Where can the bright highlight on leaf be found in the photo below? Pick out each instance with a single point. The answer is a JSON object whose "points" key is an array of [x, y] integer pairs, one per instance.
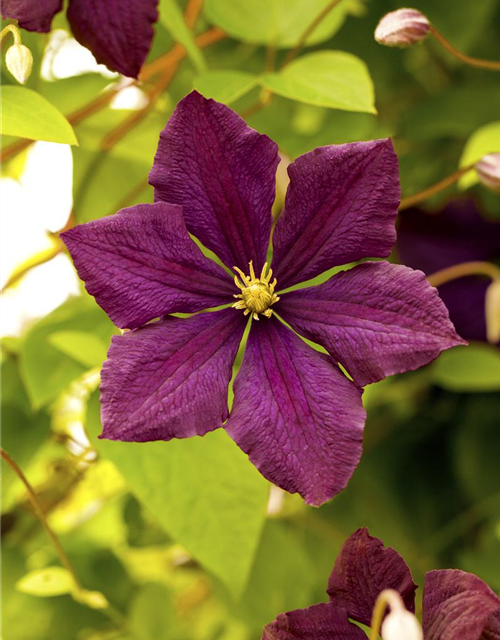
{"points": [[27, 114], [46, 583], [333, 79]]}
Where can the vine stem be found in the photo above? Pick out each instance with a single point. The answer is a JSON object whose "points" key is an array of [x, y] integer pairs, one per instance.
{"points": [[464, 269], [492, 65], [309, 31], [408, 202], [266, 95], [37, 508], [11, 28]]}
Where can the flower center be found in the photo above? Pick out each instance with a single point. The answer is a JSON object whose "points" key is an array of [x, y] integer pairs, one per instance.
{"points": [[257, 294]]}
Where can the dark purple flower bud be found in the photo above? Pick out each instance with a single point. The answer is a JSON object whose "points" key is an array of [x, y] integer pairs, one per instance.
{"points": [[488, 171], [402, 28]]}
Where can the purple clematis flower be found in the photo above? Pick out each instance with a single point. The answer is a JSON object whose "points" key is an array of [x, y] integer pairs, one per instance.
{"points": [[296, 415], [457, 234], [456, 605], [119, 33]]}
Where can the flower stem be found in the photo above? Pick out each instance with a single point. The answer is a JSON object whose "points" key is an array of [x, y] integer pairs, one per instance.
{"points": [[464, 269], [388, 597], [11, 28], [492, 65], [309, 31], [37, 508], [408, 202]]}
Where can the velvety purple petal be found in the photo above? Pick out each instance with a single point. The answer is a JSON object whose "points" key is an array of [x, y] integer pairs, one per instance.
{"points": [[33, 15], [459, 233], [364, 568], [319, 622], [169, 379], [376, 319], [295, 414], [459, 605], [141, 264], [118, 32], [341, 206], [222, 172], [492, 629]]}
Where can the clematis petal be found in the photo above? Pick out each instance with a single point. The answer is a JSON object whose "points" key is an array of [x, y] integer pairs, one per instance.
{"points": [[376, 319], [459, 605], [32, 15], [341, 206], [118, 32], [299, 419], [141, 264], [319, 622], [457, 234], [364, 568], [169, 379], [222, 172]]}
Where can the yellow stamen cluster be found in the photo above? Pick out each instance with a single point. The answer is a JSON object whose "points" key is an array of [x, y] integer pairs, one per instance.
{"points": [[257, 294]]}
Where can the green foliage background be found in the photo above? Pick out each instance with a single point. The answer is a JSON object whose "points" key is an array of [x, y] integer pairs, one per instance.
{"points": [[180, 537]]}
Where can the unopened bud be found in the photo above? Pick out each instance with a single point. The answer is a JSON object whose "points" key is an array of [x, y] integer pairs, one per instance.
{"points": [[492, 312], [401, 624], [19, 62], [402, 28], [488, 171]]}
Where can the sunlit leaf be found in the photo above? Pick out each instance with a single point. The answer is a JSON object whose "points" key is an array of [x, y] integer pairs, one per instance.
{"points": [[277, 22], [225, 86], [48, 582], [27, 114], [472, 368], [332, 79], [203, 491], [86, 348]]}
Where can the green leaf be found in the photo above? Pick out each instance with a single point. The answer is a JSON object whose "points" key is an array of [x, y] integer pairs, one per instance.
{"points": [[483, 141], [46, 583], [333, 79], [46, 371], [85, 348], [152, 615], [203, 492], [277, 22], [171, 17], [27, 114], [472, 368], [225, 86]]}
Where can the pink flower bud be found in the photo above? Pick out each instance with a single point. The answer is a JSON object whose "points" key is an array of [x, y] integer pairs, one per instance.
{"points": [[488, 171], [402, 28]]}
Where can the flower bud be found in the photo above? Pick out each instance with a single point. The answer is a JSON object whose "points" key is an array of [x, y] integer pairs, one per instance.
{"points": [[19, 62], [492, 312], [402, 28], [488, 171], [400, 624]]}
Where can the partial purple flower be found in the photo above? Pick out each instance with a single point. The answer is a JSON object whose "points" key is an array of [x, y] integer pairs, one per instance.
{"points": [[295, 413], [456, 604], [119, 33], [457, 234], [402, 28]]}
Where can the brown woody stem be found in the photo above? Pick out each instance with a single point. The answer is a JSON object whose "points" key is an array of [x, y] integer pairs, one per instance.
{"points": [[492, 65], [408, 202]]}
